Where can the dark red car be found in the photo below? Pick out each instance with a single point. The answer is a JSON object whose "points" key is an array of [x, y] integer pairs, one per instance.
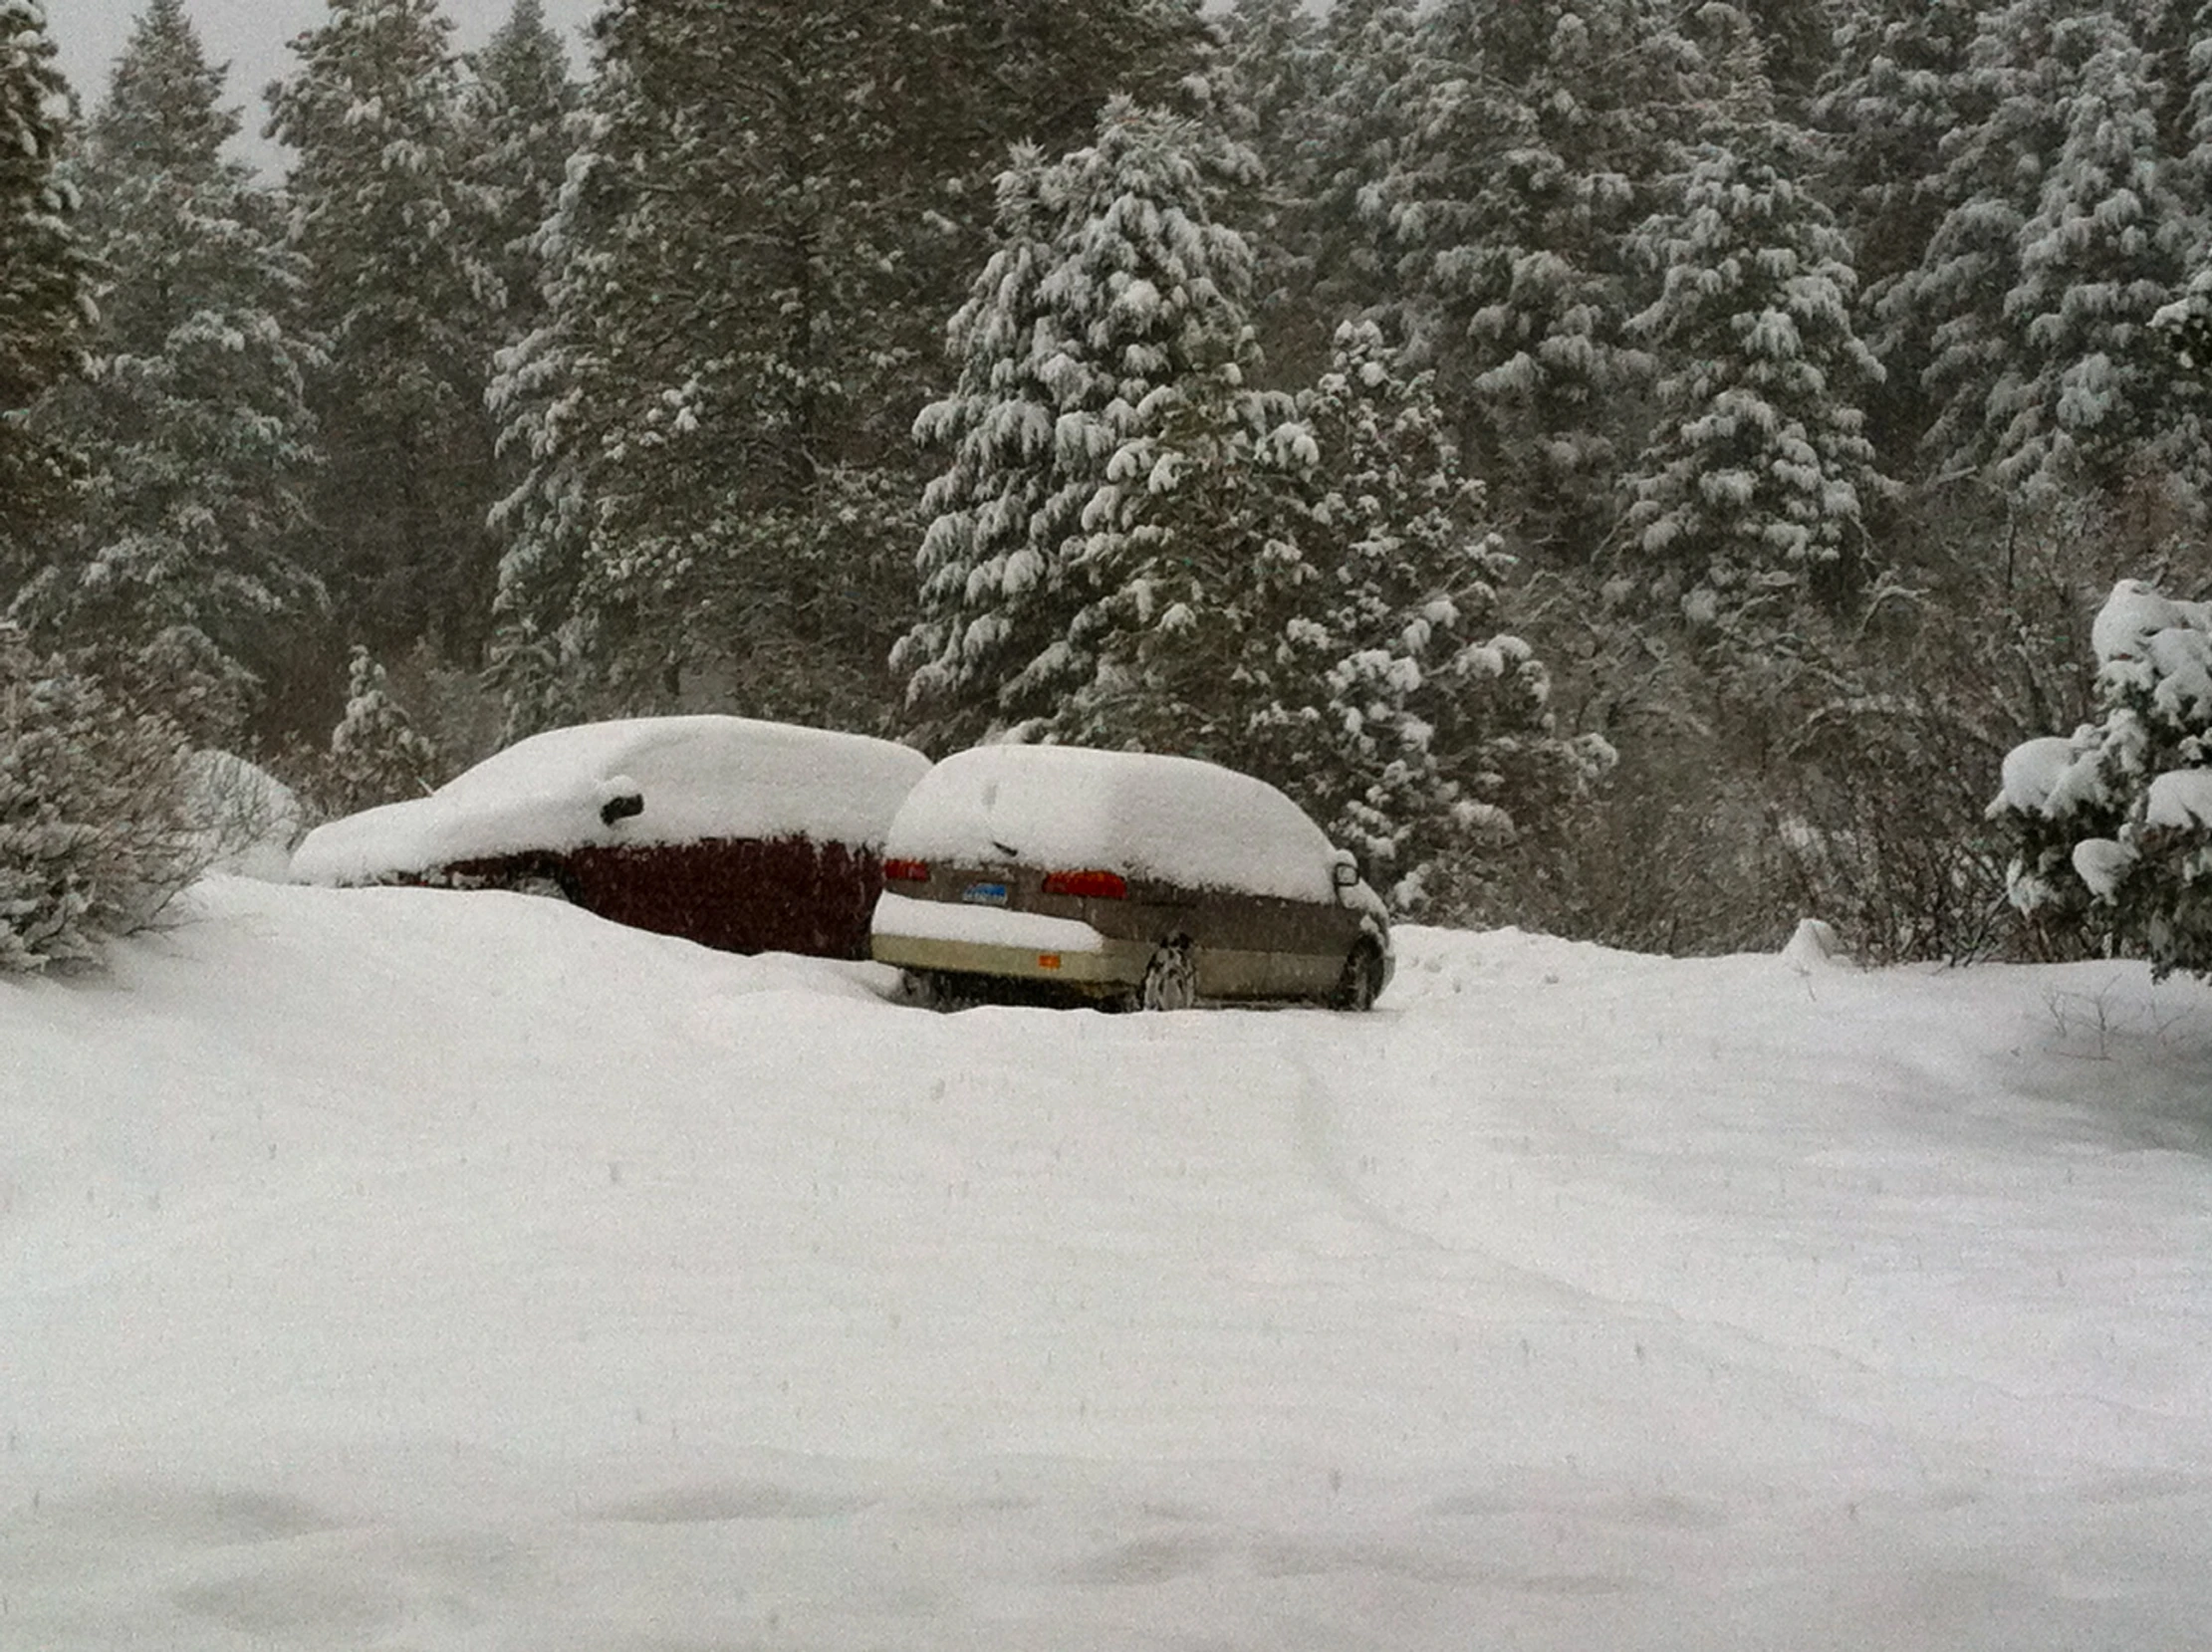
{"points": [[746, 836]]}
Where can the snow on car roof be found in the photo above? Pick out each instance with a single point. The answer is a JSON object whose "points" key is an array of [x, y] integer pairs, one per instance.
{"points": [[1176, 818], [700, 777]]}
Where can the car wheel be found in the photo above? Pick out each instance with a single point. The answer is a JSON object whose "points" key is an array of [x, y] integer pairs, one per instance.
{"points": [[1171, 979], [542, 885], [1362, 982], [934, 990]]}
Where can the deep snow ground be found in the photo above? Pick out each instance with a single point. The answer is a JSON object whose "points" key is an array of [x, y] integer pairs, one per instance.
{"points": [[403, 1269]]}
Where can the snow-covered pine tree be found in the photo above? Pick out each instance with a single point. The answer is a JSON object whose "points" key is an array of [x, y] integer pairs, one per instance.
{"points": [[1750, 494], [2063, 235], [45, 289], [377, 754], [1898, 86], [2113, 825], [1269, 88], [752, 258], [181, 572], [378, 207], [1797, 42], [92, 837], [1386, 704], [2103, 251], [515, 143], [1091, 546], [1539, 150], [1363, 129]]}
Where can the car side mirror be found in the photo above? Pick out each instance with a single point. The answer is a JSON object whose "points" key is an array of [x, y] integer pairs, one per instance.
{"points": [[1346, 872], [623, 805]]}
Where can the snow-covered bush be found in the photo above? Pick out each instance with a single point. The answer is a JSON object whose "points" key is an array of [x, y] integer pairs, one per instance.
{"points": [[93, 842], [377, 754], [2114, 822], [246, 819]]}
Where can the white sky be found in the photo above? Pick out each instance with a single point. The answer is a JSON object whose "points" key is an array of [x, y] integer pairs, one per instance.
{"points": [[251, 36]]}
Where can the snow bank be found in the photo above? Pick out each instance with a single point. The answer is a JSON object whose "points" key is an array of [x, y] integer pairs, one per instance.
{"points": [[1175, 818], [391, 1271], [700, 777]]}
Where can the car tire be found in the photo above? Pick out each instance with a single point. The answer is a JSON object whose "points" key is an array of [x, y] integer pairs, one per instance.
{"points": [[1362, 982], [934, 990], [1171, 979]]}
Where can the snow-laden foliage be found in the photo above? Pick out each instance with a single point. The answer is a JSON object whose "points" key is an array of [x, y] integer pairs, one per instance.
{"points": [[2065, 231], [92, 839], [1894, 93], [1091, 540], [45, 280], [379, 212], [377, 754], [2100, 255], [772, 209], [515, 145], [2114, 822], [1759, 471], [1387, 705], [1273, 66], [1360, 127], [1544, 132], [180, 568]]}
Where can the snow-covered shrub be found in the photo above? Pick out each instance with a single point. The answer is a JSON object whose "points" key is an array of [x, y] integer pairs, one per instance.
{"points": [[2114, 823], [245, 818], [377, 754], [92, 837]]}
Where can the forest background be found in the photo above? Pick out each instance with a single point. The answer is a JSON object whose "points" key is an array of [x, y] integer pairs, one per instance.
{"points": [[1632, 468]]}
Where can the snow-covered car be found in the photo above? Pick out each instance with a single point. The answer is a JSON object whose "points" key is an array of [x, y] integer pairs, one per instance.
{"points": [[746, 836], [1122, 878]]}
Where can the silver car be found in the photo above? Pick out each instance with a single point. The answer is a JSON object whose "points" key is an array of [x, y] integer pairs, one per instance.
{"points": [[1122, 878]]}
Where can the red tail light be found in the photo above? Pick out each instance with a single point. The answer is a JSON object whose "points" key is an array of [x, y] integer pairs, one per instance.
{"points": [[906, 872], [1092, 886]]}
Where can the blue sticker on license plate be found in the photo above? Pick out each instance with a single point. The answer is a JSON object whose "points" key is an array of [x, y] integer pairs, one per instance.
{"points": [[984, 895]]}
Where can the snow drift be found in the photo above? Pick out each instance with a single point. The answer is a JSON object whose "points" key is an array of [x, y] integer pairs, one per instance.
{"points": [[403, 1269]]}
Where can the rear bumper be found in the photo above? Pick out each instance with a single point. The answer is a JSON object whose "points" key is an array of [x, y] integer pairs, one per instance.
{"points": [[1018, 946]]}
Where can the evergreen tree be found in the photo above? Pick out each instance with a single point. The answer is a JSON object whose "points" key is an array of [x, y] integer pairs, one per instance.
{"points": [[2112, 824], [515, 140], [377, 754], [1795, 41], [773, 204], [91, 833], [181, 570], [1089, 545], [1897, 90], [1759, 471], [1272, 71], [45, 282], [1546, 138], [1386, 706], [1363, 129], [378, 213], [2103, 249], [2063, 236]]}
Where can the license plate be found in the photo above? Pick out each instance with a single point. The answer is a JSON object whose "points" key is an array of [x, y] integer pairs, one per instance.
{"points": [[984, 895]]}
